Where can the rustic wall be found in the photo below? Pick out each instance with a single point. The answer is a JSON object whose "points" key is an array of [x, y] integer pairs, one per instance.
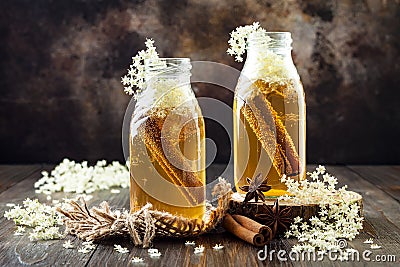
{"points": [[61, 63]]}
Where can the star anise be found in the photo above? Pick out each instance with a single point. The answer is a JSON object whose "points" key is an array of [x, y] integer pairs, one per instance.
{"points": [[276, 218], [255, 188]]}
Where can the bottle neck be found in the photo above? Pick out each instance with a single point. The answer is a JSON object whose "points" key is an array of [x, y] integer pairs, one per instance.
{"points": [[269, 55], [167, 82], [255, 51], [163, 82], [279, 43], [168, 71]]}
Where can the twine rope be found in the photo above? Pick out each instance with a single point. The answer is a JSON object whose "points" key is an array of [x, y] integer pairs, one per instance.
{"points": [[143, 225]]}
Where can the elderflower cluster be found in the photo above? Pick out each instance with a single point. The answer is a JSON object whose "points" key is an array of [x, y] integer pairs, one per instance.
{"points": [[87, 247], [154, 253], [321, 189], [199, 249], [136, 71], [238, 39], [73, 177], [218, 246], [137, 260], [337, 218], [43, 219], [68, 244], [120, 249]]}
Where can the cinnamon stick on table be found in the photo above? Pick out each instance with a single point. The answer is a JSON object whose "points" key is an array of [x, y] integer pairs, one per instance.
{"points": [[231, 225], [254, 226]]}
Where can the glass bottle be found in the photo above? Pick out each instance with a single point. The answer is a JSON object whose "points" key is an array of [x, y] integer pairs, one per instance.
{"points": [[167, 142], [269, 114]]}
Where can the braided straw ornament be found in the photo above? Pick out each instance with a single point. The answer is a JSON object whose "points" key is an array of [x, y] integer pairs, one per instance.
{"points": [[145, 224]]}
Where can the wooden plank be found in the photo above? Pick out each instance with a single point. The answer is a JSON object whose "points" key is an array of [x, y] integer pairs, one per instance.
{"points": [[386, 178], [381, 213], [176, 253], [12, 174], [289, 243], [19, 251], [238, 253]]}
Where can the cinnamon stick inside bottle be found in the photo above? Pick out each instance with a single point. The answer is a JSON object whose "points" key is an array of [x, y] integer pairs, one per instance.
{"points": [[270, 131], [283, 137], [158, 147], [261, 122]]}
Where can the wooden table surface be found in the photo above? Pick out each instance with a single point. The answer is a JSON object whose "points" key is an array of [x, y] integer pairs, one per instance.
{"points": [[379, 185]]}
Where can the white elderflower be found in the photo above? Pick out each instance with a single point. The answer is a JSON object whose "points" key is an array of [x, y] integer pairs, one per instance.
{"points": [[41, 218], [84, 197], [297, 220], [135, 78], [297, 248], [80, 178], [267, 62], [68, 245], [368, 241], [199, 249], [115, 191], [88, 245], [218, 246], [152, 250], [288, 234], [238, 40], [314, 175], [84, 250], [120, 249], [338, 217], [137, 260], [154, 253], [320, 169], [375, 246], [190, 243], [20, 230], [41, 233]]}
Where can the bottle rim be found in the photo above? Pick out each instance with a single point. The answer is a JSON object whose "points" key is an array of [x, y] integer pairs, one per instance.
{"points": [[273, 40], [168, 66], [167, 60]]}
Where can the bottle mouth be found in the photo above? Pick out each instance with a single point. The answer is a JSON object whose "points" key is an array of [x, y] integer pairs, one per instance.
{"points": [[278, 40], [168, 66]]}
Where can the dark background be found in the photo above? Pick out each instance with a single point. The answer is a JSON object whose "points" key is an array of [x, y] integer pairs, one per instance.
{"points": [[61, 63]]}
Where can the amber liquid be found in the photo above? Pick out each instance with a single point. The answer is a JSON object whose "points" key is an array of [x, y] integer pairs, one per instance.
{"points": [[167, 159], [269, 134]]}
